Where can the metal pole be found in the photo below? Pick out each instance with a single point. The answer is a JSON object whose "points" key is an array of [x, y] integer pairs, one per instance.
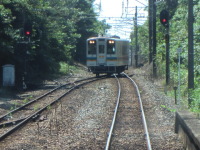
{"points": [[154, 40], [167, 57], [136, 39], [150, 30], [131, 55], [175, 88], [190, 51]]}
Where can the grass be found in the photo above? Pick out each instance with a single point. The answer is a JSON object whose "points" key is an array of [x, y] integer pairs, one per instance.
{"points": [[66, 68]]}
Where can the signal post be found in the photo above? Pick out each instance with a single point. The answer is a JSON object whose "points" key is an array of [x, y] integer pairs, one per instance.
{"points": [[27, 32], [164, 19]]}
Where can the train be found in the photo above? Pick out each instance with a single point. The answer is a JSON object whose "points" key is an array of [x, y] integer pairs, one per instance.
{"points": [[107, 55]]}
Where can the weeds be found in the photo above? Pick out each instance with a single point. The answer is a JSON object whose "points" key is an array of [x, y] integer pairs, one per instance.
{"points": [[169, 109], [36, 107]]}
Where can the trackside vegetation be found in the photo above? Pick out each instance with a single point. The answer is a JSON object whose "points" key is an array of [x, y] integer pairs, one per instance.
{"points": [[58, 32], [178, 31]]}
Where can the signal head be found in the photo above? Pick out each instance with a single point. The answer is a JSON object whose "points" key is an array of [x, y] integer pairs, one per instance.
{"points": [[27, 29], [164, 18]]}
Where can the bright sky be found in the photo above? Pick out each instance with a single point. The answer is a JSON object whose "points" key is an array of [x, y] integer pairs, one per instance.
{"points": [[119, 14]]}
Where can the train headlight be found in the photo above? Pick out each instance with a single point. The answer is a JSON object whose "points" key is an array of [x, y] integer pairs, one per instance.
{"points": [[92, 42], [111, 42]]}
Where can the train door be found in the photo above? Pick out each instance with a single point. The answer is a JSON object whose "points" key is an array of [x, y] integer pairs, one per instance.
{"points": [[101, 53]]}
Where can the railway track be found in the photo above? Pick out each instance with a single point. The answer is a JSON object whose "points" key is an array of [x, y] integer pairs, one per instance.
{"points": [[83, 122], [15, 119], [128, 129]]}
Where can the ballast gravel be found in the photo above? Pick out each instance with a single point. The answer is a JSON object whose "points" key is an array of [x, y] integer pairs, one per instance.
{"points": [[80, 120]]}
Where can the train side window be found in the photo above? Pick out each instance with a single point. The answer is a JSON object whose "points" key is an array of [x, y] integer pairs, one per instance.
{"points": [[124, 48], [92, 47], [101, 49], [111, 48]]}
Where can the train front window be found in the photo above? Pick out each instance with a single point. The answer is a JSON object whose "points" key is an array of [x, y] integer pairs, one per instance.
{"points": [[101, 49], [92, 47], [111, 47]]}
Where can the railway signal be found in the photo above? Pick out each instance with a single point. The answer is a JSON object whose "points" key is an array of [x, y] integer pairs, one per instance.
{"points": [[164, 18], [27, 29]]}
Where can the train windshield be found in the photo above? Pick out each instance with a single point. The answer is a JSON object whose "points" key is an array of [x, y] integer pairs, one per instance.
{"points": [[111, 47], [92, 47]]}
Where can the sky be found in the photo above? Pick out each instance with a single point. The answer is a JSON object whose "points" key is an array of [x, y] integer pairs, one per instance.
{"points": [[119, 14]]}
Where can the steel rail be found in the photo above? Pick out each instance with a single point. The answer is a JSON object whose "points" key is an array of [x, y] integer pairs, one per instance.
{"points": [[114, 117], [142, 111], [29, 103], [2, 117], [34, 115]]}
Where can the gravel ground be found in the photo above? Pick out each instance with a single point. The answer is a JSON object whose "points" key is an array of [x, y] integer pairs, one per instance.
{"points": [[80, 124], [80, 121], [161, 123]]}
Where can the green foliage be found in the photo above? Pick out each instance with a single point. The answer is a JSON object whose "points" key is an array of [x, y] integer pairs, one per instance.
{"points": [[88, 26], [26, 100], [178, 10], [59, 32], [49, 107], [66, 68], [167, 108], [36, 107], [196, 100]]}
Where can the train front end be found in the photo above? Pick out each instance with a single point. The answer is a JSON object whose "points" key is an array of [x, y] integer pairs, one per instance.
{"points": [[104, 55]]}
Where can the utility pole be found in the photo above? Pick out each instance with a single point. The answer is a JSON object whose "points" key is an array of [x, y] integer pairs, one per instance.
{"points": [[135, 35], [150, 29], [190, 51], [154, 40], [136, 39], [167, 57]]}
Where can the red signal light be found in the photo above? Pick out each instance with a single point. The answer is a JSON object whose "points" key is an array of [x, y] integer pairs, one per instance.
{"points": [[27, 28], [27, 32], [164, 20]]}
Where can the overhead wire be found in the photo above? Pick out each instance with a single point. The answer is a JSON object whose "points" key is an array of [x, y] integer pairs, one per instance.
{"points": [[126, 20]]}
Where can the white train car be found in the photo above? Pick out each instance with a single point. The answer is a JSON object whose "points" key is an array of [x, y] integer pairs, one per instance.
{"points": [[107, 55]]}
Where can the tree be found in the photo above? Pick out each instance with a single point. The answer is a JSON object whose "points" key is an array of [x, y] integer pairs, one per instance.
{"points": [[87, 26]]}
